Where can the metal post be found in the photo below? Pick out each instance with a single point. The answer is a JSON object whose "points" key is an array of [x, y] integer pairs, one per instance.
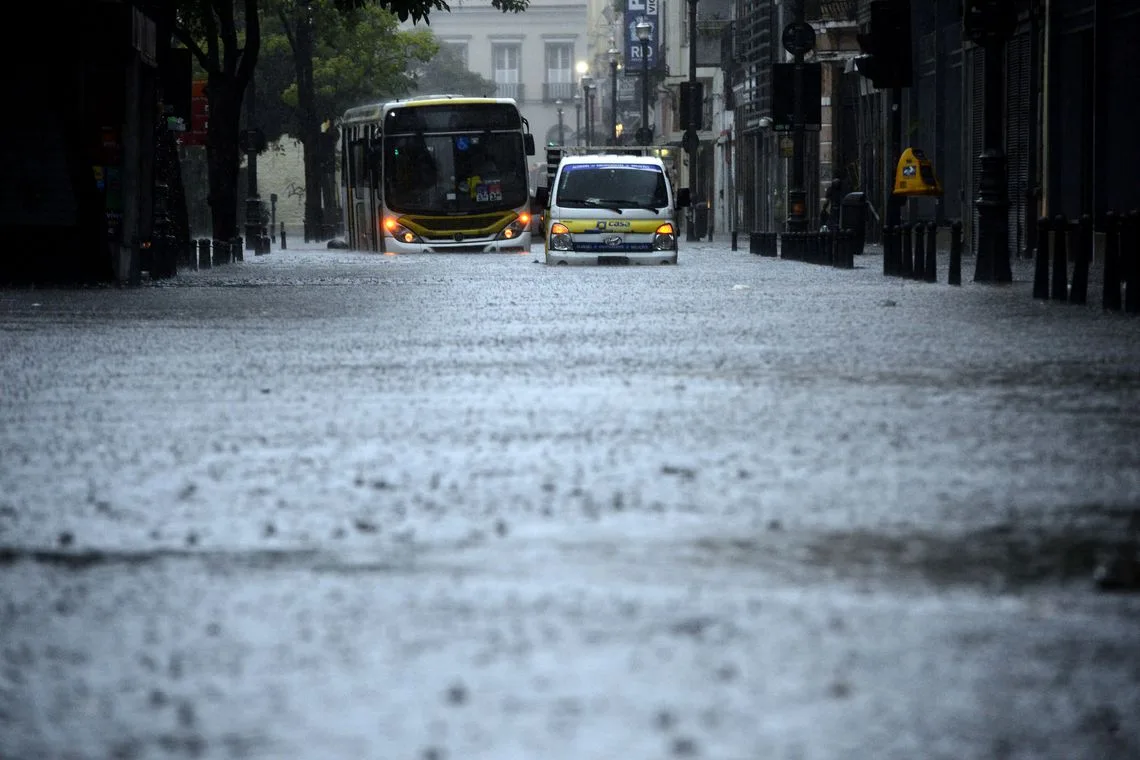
{"points": [[613, 138], [992, 28], [561, 132], [797, 195], [690, 140], [586, 104], [577, 120], [252, 201], [644, 29]]}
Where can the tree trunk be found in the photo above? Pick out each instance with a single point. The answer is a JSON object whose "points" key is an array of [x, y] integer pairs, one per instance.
{"points": [[310, 127], [222, 154]]}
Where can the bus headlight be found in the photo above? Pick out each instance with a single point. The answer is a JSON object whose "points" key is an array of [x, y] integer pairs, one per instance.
{"points": [[399, 232], [665, 238], [515, 228], [560, 237]]}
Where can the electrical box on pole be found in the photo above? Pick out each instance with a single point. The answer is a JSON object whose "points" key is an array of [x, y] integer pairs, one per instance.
{"points": [[686, 105]]}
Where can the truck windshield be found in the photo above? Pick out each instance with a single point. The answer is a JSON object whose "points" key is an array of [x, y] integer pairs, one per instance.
{"points": [[455, 173], [625, 185]]}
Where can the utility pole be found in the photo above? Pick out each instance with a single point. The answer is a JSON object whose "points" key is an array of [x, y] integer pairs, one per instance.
{"points": [[690, 141], [797, 195]]}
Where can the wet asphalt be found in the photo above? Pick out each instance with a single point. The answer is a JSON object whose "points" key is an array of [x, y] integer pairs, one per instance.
{"points": [[323, 504]]}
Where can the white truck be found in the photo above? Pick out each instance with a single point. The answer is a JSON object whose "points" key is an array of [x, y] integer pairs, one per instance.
{"points": [[609, 205]]}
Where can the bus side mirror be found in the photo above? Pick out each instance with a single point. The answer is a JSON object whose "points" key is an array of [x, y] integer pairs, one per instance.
{"points": [[541, 196], [528, 141], [683, 198]]}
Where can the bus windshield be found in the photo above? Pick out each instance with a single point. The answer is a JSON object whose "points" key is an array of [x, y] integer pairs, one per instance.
{"points": [[454, 173]]}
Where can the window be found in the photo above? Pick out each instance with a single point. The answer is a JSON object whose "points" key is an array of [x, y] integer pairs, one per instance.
{"points": [[505, 65], [559, 72], [459, 51]]}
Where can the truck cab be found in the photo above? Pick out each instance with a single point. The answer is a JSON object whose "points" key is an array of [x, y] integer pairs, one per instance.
{"points": [[610, 207]]}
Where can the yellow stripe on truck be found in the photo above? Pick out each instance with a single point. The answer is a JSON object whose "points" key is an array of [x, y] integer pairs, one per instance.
{"points": [[585, 226]]}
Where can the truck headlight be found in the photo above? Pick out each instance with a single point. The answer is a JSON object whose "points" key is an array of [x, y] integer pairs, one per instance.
{"points": [[665, 238], [560, 237]]}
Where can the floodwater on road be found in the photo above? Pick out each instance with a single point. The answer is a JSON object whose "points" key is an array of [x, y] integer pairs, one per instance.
{"points": [[323, 504]]}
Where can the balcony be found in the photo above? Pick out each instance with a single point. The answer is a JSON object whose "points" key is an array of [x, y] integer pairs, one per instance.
{"points": [[839, 11], [509, 90], [564, 91]]}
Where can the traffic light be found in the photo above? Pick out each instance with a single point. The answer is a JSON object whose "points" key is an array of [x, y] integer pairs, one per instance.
{"points": [[886, 45]]}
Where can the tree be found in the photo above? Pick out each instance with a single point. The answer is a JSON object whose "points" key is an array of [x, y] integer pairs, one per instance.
{"points": [[338, 59], [446, 72], [420, 10], [209, 28]]}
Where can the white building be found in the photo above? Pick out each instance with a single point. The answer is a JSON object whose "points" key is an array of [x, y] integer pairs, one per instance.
{"points": [[532, 56]]}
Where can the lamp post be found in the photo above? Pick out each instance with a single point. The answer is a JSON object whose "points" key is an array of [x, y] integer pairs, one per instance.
{"points": [[582, 68], [577, 119], [797, 194], [614, 55], [561, 134], [644, 29], [990, 24], [587, 85], [690, 141]]}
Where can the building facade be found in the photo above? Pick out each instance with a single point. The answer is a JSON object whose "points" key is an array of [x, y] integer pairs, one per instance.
{"points": [[531, 56]]}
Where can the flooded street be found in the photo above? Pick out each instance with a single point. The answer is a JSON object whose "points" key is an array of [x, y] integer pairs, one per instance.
{"points": [[322, 504]]}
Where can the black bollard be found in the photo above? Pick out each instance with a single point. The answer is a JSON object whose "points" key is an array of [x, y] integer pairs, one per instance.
{"points": [[1130, 263], [955, 275], [283, 246], [1078, 291], [734, 240], [931, 267], [237, 252], [754, 243], [906, 262], [919, 266], [889, 240], [205, 257], [1111, 294], [1041, 268], [1060, 279]]}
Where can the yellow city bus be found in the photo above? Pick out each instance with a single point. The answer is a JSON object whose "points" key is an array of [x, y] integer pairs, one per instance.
{"points": [[436, 174]]}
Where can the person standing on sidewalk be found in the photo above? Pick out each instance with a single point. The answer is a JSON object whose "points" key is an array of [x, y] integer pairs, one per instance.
{"points": [[829, 209]]}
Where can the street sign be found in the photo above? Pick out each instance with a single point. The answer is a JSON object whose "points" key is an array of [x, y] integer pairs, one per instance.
{"points": [[798, 38]]}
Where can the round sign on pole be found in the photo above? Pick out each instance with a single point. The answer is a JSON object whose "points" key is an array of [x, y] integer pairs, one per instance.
{"points": [[798, 39]]}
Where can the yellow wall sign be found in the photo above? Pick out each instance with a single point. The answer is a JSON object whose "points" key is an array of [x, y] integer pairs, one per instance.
{"points": [[915, 175]]}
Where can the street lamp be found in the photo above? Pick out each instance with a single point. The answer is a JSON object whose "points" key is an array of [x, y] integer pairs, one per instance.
{"points": [[561, 134], [644, 29], [587, 85], [577, 119], [691, 141], [614, 55], [581, 67]]}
